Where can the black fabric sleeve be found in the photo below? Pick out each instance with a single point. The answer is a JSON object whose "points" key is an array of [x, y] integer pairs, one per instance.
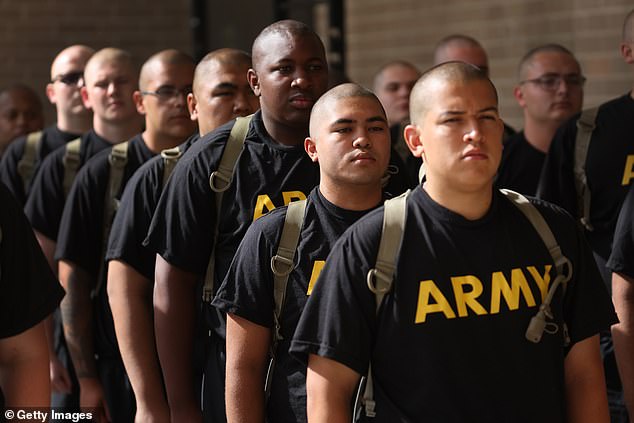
{"points": [[623, 247]]}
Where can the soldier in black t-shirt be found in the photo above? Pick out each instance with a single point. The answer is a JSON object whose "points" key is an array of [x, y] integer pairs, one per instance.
{"points": [[165, 81], [73, 119], [550, 91], [220, 93], [289, 74], [29, 292], [447, 342], [350, 140], [609, 170], [622, 266]]}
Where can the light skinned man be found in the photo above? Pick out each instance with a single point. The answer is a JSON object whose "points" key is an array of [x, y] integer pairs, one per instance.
{"points": [[164, 82], [550, 91], [289, 74], [220, 93], [349, 139], [462, 243]]}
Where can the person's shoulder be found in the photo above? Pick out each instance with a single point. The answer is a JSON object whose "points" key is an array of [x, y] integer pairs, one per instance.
{"points": [[271, 222], [556, 216]]}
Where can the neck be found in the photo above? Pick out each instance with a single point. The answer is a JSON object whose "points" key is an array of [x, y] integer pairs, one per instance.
{"points": [[119, 132], [285, 134], [540, 134], [157, 142], [357, 197], [470, 204], [74, 124]]}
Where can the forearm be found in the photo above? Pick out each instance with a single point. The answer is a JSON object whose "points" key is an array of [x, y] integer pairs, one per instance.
{"points": [[48, 248], [623, 334], [77, 317], [24, 369], [130, 296], [586, 398], [175, 305]]}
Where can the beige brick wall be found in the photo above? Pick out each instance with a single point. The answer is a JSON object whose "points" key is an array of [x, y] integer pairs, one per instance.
{"points": [[382, 30], [33, 31]]}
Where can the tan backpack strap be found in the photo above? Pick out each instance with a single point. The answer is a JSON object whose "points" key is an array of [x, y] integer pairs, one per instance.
{"points": [[219, 181], [585, 126], [170, 156], [26, 165], [118, 159], [538, 324], [282, 264], [380, 278], [71, 161]]}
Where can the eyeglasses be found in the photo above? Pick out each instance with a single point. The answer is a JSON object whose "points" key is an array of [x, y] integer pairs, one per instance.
{"points": [[550, 82], [168, 92], [70, 78]]}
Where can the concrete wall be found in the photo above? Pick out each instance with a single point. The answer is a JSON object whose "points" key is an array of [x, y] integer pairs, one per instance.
{"points": [[380, 30]]}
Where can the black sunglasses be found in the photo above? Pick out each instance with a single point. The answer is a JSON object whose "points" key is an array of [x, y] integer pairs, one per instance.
{"points": [[70, 78]]}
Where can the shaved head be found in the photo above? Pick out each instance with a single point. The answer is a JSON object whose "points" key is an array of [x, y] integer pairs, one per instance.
{"points": [[450, 72], [340, 92], [527, 60], [76, 53], [628, 28], [220, 59], [288, 29], [461, 48], [108, 55], [157, 61]]}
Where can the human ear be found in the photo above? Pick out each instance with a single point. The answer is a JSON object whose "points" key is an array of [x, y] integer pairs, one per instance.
{"points": [[412, 138], [254, 81], [311, 149]]}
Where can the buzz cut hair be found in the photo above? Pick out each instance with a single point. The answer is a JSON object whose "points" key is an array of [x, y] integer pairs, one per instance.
{"points": [[628, 27], [444, 72], [394, 63], [224, 57], [340, 92], [527, 59]]}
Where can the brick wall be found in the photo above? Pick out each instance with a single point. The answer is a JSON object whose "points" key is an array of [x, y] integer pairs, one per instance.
{"points": [[32, 32], [381, 30]]}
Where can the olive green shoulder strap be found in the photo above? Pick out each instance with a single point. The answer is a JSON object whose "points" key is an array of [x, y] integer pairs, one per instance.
{"points": [[26, 165], [219, 181], [71, 161], [170, 156], [585, 127]]}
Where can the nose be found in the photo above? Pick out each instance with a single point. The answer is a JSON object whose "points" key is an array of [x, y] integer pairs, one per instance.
{"points": [[361, 140], [241, 105], [300, 79], [80, 82], [474, 135]]}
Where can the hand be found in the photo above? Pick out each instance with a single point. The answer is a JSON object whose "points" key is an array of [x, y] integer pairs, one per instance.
{"points": [[91, 396], [60, 379]]}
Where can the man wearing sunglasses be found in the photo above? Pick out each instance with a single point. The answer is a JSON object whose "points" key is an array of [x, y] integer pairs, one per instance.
{"points": [[73, 119], [550, 91]]}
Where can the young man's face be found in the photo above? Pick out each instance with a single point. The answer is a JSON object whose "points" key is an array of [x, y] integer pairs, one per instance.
{"points": [[19, 115], [393, 88], [224, 94], [461, 134], [108, 91], [351, 142], [552, 88], [291, 74], [66, 82], [164, 102]]}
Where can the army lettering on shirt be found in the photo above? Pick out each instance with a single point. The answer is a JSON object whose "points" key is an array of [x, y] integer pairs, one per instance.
{"points": [[454, 323], [182, 229], [247, 290]]}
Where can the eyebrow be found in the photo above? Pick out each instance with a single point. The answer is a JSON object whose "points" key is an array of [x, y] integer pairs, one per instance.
{"points": [[343, 121], [461, 112], [225, 86]]}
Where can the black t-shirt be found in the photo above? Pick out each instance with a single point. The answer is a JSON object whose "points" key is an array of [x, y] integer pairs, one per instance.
{"points": [[448, 343], [46, 201], [622, 257], [267, 175], [137, 206], [247, 290], [81, 227], [609, 169], [521, 165], [30, 290], [52, 138]]}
